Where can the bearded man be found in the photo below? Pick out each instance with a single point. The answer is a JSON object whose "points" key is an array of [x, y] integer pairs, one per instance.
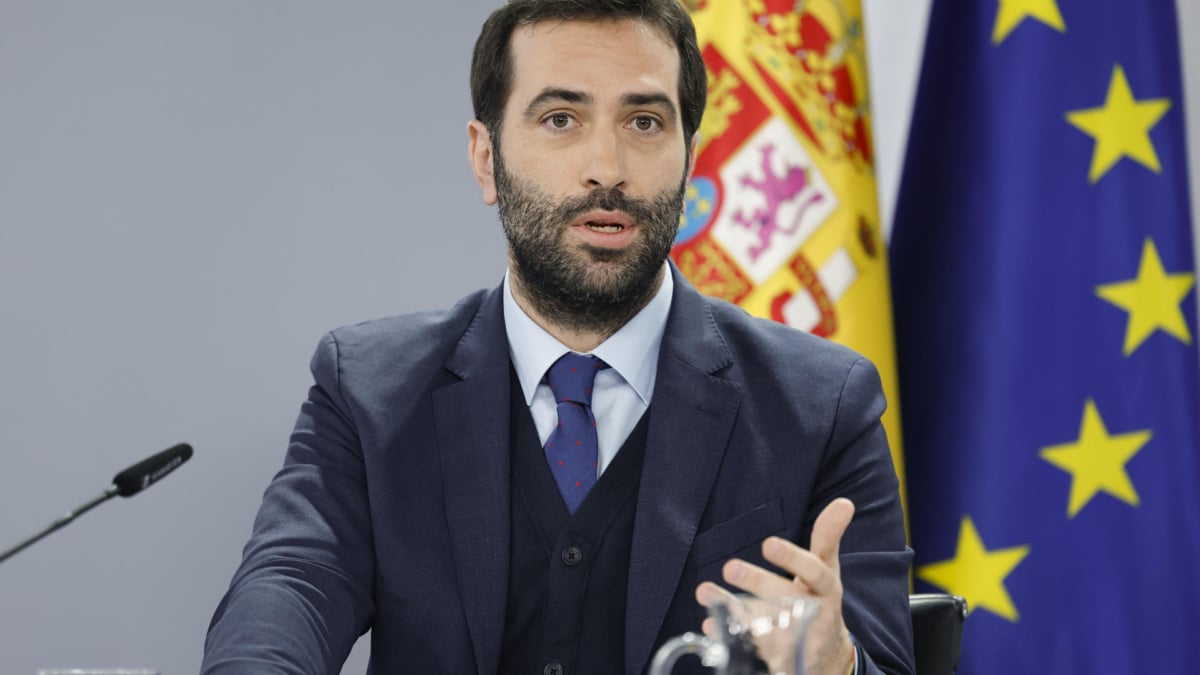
{"points": [[555, 476]]}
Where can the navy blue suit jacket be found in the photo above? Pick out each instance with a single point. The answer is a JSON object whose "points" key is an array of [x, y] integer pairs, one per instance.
{"points": [[391, 510]]}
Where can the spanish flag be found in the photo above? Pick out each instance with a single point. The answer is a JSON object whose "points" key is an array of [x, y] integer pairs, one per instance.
{"points": [[781, 214]]}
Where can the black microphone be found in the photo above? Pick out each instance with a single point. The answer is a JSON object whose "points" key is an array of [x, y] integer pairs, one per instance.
{"points": [[126, 484], [150, 470]]}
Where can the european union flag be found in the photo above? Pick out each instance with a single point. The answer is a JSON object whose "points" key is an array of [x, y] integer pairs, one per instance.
{"points": [[1046, 325]]}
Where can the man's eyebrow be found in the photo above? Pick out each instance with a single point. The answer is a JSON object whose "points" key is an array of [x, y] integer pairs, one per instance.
{"points": [[556, 94], [654, 99], [559, 94]]}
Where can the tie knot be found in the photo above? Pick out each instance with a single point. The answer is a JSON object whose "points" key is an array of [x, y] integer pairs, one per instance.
{"points": [[571, 378]]}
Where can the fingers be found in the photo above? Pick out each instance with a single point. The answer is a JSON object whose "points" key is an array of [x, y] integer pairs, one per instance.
{"points": [[810, 576], [829, 528], [709, 594], [814, 572]]}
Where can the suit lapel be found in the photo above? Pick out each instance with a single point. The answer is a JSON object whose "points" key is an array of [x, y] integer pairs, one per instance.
{"points": [[472, 420], [691, 418]]}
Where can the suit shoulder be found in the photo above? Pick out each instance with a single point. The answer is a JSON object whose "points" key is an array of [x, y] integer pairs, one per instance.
{"points": [[777, 345], [405, 338]]}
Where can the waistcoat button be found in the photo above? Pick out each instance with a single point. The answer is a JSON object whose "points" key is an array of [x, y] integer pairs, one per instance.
{"points": [[572, 555]]}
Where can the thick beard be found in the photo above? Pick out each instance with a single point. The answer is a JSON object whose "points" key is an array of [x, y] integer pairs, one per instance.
{"points": [[584, 288]]}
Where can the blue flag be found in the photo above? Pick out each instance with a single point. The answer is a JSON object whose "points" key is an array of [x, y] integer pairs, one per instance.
{"points": [[1046, 334]]}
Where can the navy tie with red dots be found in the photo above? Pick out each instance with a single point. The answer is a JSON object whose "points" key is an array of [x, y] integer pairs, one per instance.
{"points": [[571, 449]]}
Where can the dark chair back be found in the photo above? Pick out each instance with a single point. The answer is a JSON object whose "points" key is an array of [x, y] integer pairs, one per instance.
{"points": [[937, 620]]}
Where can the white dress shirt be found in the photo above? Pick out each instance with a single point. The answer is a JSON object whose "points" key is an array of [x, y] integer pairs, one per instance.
{"points": [[621, 393]]}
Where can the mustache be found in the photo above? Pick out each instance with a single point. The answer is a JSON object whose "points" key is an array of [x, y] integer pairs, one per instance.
{"points": [[610, 199]]}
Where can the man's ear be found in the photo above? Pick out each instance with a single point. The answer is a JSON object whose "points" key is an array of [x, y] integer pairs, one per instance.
{"points": [[479, 152]]}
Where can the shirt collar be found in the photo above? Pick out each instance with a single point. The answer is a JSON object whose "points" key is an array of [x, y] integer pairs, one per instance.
{"points": [[632, 351]]}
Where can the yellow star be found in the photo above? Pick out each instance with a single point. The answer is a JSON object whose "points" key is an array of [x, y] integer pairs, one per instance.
{"points": [[976, 573], [1097, 460], [1152, 300], [1121, 127], [1012, 12]]}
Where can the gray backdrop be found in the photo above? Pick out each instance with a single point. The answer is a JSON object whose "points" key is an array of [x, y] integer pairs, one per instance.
{"points": [[190, 194]]}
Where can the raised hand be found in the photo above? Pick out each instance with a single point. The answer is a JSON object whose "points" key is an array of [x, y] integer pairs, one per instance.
{"points": [[816, 573]]}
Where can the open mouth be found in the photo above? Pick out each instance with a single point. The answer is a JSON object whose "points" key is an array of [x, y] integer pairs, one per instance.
{"points": [[606, 228]]}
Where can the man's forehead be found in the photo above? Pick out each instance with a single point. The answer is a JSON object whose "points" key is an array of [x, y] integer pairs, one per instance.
{"points": [[557, 47], [549, 27]]}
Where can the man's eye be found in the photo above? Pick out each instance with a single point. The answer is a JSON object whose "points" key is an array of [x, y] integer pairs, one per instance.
{"points": [[645, 123], [560, 121]]}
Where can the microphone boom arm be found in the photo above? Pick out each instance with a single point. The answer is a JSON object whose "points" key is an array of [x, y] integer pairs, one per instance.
{"points": [[60, 523]]}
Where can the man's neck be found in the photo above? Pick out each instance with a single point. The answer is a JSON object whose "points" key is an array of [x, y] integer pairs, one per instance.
{"points": [[577, 339]]}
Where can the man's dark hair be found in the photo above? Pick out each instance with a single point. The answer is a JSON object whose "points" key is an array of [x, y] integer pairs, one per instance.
{"points": [[491, 66]]}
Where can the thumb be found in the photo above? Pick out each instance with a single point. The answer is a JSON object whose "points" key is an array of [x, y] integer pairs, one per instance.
{"points": [[828, 530]]}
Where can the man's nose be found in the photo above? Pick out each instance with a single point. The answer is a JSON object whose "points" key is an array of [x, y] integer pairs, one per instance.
{"points": [[604, 166]]}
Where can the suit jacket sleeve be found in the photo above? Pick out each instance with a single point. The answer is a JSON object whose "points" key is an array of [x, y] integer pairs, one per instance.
{"points": [[874, 557], [303, 592]]}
